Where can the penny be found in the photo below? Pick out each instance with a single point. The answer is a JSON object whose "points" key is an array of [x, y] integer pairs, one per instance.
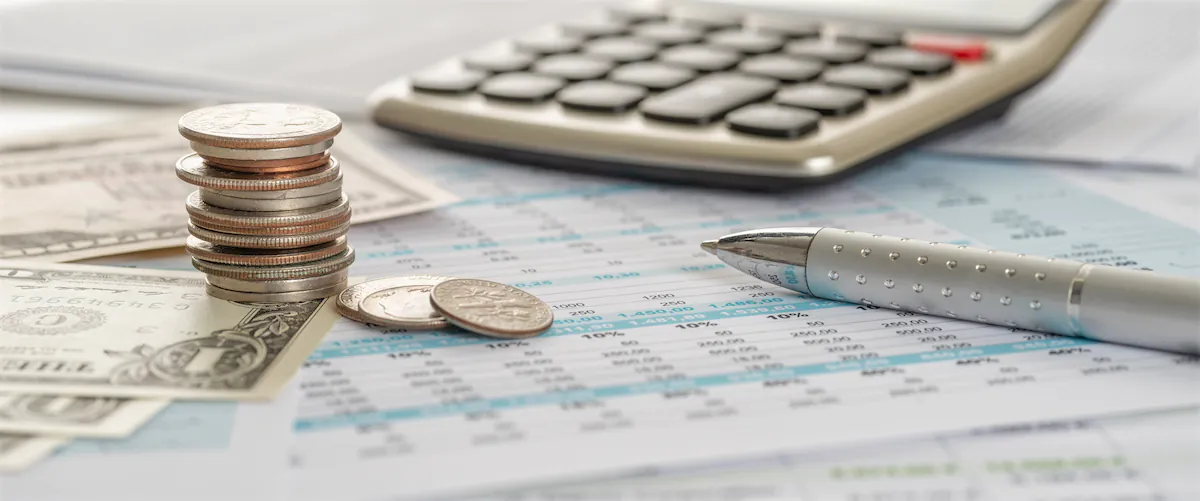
{"points": [[287, 272], [192, 170], [348, 301], [277, 297], [220, 199], [263, 154], [267, 241], [405, 307], [269, 166], [259, 125], [294, 285], [202, 213], [491, 308], [262, 257]]}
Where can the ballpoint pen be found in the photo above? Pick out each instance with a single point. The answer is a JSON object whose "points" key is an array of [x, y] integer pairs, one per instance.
{"points": [[1057, 296]]}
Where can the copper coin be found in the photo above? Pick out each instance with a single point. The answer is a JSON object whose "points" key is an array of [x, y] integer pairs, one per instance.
{"points": [[192, 170], [259, 125], [267, 241], [208, 215], [268, 166], [262, 257], [312, 269]]}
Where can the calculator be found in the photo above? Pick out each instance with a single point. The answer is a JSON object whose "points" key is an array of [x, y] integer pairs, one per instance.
{"points": [[761, 94]]}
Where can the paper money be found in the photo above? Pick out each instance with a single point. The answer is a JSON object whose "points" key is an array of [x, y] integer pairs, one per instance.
{"points": [[120, 332], [17, 452], [75, 416], [112, 189]]}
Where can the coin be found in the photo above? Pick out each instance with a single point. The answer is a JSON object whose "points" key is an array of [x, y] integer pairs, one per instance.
{"points": [[406, 307], [274, 286], [220, 199], [310, 191], [491, 308], [263, 154], [259, 125], [286, 272], [269, 166], [262, 257], [276, 297], [278, 231], [207, 215], [348, 301], [192, 170], [265, 241]]}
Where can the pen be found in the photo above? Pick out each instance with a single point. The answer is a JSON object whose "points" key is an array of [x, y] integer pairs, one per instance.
{"points": [[1057, 296]]}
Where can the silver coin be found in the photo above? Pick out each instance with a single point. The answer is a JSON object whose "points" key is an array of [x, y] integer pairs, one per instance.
{"points": [[312, 269], [274, 297], [267, 241], [491, 308], [262, 154], [192, 170], [262, 257], [208, 215], [311, 191], [259, 125], [294, 285], [348, 301], [406, 307], [268, 205]]}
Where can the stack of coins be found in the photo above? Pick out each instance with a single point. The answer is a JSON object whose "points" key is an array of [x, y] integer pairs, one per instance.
{"points": [[424, 302], [269, 220]]}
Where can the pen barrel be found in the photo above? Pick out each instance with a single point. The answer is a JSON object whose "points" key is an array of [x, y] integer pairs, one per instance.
{"points": [[1140, 308]]}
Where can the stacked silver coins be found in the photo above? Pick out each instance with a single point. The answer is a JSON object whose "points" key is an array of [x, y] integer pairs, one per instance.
{"points": [[269, 220]]}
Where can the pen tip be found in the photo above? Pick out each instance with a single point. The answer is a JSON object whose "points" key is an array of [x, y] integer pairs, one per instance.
{"points": [[709, 245]]}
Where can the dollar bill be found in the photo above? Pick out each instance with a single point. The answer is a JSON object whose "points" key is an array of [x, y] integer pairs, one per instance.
{"points": [[121, 332], [98, 191], [18, 452], [75, 416]]}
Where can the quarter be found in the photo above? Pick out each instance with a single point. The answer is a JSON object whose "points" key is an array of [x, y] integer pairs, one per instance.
{"points": [[224, 201], [192, 170], [263, 154], [312, 269], [267, 241], [274, 297], [275, 286], [348, 301], [262, 257], [207, 215], [259, 125], [406, 307], [491, 308]]}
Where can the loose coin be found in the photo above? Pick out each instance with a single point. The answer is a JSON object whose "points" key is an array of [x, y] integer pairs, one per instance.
{"points": [[262, 257], [192, 170], [220, 199], [265, 241], [263, 154], [405, 306], [286, 272], [259, 125], [269, 166], [206, 215], [348, 301], [275, 286], [274, 297], [491, 308]]}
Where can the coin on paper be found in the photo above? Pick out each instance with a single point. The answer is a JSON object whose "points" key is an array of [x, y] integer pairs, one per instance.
{"points": [[406, 306], [491, 308], [259, 125], [349, 301]]}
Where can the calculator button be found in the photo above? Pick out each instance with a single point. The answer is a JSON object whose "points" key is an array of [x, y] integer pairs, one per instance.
{"points": [[871, 35], [621, 49], [707, 19], [706, 99], [653, 76], [830, 51], [699, 57], [877, 81], [548, 43], [784, 26], [600, 95], [748, 42], [962, 49], [912, 61], [782, 67], [668, 33], [595, 27], [638, 13], [448, 79], [498, 61], [573, 67], [773, 120], [826, 100], [526, 87]]}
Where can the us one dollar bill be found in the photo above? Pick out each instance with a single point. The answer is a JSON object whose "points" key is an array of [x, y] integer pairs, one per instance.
{"points": [[111, 189], [121, 332], [75, 416], [18, 451]]}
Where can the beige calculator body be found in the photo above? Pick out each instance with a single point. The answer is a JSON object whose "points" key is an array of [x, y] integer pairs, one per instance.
{"points": [[751, 93]]}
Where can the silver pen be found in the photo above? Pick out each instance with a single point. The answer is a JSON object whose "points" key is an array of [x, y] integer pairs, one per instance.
{"points": [[1070, 298]]}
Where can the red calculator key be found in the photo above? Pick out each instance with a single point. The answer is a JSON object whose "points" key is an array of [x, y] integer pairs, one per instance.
{"points": [[962, 49]]}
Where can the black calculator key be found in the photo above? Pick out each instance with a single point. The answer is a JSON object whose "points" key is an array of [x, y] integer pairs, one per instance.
{"points": [[498, 61], [621, 49], [601, 95], [782, 67], [668, 33], [548, 43], [773, 120], [526, 87], [826, 100], [448, 79], [745, 41], [871, 35], [707, 99], [700, 57], [877, 81], [573, 67], [595, 27], [832, 52], [651, 75], [707, 19], [784, 26], [913, 61], [638, 13]]}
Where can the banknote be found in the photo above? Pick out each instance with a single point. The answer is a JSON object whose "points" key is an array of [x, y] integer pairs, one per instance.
{"points": [[98, 191], [75, 416], [122, 332], [17, 451]]}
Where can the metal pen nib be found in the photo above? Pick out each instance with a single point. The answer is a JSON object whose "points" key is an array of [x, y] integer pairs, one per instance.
{"points": [[710, 246]]}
